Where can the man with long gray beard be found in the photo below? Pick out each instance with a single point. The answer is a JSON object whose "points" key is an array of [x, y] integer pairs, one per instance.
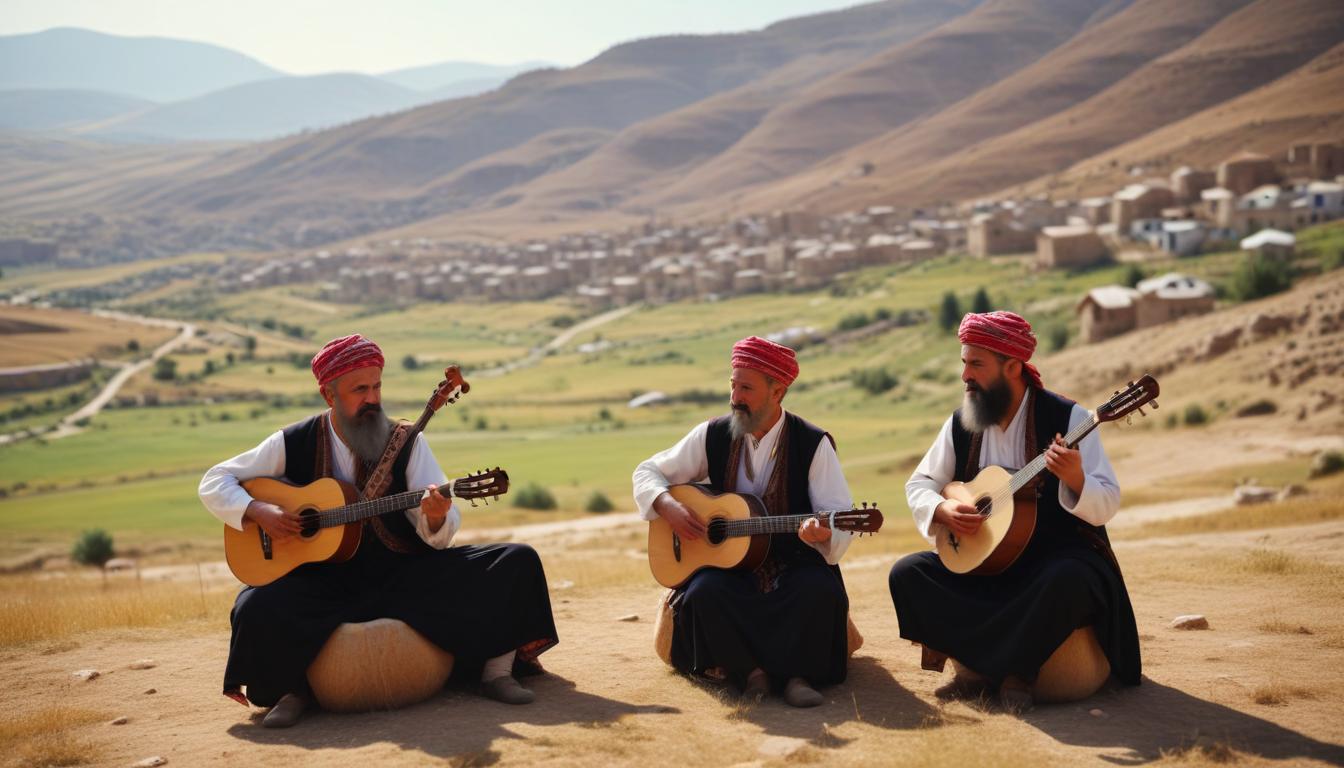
{"points": [[487, 605], [1002, 628], [782, 626]]}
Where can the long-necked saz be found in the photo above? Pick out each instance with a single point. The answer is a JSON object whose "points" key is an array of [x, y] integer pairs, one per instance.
{"points": [[476, 602], [1061, 576]]}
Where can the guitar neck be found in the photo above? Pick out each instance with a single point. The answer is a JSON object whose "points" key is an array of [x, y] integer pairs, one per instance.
{"points": [[1036, 466], [362, 510], [751, 526]]}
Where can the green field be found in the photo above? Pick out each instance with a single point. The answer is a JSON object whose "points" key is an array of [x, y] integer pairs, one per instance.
{"points": [[561, 422]]}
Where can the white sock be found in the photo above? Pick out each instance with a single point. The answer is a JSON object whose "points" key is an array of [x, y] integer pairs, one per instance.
{"points": [[498, 667]]}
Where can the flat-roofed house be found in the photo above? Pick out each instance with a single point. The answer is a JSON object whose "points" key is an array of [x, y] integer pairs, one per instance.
{"points": [[1245, 172], [1271, 242], [1182, 238], [1187, 183], [1069, 246], [1139, 201], [995, 233], [1107, 311], [1170, 297]]}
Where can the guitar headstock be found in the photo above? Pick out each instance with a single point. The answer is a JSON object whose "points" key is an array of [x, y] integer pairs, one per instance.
{"points": [[449, 390], [1130, 399], [860, 520], [481, 485]]}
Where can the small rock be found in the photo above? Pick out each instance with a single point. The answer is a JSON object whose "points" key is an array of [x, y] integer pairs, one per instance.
{"points": [[1190, 621], [780, 746], [150, 762], [87, 674], [121, 720], [629, 617], [1096, 713], [148, 691], [1252, 494], [562, 584], [144, 664]]}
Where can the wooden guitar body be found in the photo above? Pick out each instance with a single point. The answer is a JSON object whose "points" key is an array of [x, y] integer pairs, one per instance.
{"points": [[257, 562], [674, 560], [1005, 532]]}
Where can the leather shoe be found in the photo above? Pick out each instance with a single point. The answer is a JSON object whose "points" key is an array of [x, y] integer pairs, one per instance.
{"points": [[758, 685], [507, 690], [286, 711], [799, 694]]}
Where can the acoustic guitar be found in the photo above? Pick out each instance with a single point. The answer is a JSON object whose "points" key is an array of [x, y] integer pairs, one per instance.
{"points": [[738, 533], [331, 513], [1008, 502]]}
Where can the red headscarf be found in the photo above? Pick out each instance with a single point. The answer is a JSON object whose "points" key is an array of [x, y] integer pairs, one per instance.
{"points": [[774, 360], [1003, 332], [343, 355]]}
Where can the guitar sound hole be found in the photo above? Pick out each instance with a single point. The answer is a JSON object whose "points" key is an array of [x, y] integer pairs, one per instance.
{"points": [[716, 533], [308, 527], [984, 506]]}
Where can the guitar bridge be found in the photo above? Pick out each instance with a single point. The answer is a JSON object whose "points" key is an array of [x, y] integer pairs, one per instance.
{"points": [[676, 547], [953, 541], [265, 544]]}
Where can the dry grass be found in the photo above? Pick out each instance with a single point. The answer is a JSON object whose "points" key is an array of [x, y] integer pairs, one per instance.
{"points": [[44, 737], [1280, 627], [34, 609], [1202, 752], [1324, 503], [1273, 694]]}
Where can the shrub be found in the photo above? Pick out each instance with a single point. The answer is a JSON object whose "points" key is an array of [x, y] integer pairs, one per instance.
{"points": [[980, 302], [1133, 274], [1258, 276], [1058, 336], [1195, 415], [533, 496], [1257, 408], [598, 502], [165, 369], [851, 322], [874, 381], [410, 363], [92, 548], [1327, 463]]}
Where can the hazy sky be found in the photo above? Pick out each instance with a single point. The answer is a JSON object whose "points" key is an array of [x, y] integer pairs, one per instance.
{"points": [[309, 36]]}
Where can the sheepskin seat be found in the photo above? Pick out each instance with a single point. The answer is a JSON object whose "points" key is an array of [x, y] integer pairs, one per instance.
{"points": [[1077, 669], [379, 664]]}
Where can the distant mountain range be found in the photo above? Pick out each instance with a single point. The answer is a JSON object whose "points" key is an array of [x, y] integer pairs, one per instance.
{"points": [[901, 102], [149, 89]]}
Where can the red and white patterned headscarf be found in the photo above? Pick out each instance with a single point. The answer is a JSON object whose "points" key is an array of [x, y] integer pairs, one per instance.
{"points": [[774, 360], [343, 355], [1003, 332]]}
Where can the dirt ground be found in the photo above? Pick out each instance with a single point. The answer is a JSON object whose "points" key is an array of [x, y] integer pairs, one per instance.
{"points": [[1264, 684]]}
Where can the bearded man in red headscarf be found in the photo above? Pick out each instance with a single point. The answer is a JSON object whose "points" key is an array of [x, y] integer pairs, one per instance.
{"points": [[487, 605], [1002, 628], [784, 625]]}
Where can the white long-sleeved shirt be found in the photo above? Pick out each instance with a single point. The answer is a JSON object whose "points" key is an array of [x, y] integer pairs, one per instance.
{"points": [[222, 493], [1096, 504], [687, 462]]}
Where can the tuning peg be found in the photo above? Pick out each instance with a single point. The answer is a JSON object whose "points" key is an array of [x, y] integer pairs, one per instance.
{"points": [[473, 502], [1141, 413], [1154, 404]]}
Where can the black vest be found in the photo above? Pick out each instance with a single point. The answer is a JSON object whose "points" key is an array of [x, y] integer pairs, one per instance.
{"points": [[301, 467], [1056, 529], [803, 439]]}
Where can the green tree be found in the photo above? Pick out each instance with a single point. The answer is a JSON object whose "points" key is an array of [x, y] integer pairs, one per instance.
{"points": [[1259, 276], [1133, 274], [92, 548], [165, 369], [410, 363], [133, 345], [533, 496], [980, 302], [949, 314]]}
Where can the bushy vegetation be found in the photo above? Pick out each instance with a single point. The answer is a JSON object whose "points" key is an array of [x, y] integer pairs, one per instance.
{"points": [[165, 369], [598, 502], [1327, 463], [949, 313], [1195, 415], [1259, 276], [980, 302], [874, 381], [533, 496], [92, 548]]}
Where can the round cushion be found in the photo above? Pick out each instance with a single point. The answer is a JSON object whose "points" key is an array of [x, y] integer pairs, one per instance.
{"points": [[379, 664], [1076, 670]]}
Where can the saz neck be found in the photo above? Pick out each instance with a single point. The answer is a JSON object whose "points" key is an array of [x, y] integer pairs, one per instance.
{"points": [[1036, 466]]}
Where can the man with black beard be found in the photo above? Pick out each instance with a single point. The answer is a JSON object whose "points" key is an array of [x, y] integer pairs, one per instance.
{"points": [[487, 605], [1002, 628], [784, 625]]}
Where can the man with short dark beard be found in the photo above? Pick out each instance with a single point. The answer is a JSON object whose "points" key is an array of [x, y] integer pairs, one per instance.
{"points": [[784, 625], [1002, 628], [487, 605]]}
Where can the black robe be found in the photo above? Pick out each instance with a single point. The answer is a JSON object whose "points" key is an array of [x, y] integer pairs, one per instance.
{"points": [[1009, 624], [723, 619], [476, 602]]}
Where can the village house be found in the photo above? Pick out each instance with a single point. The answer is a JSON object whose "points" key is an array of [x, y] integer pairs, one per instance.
{"points": [[995, 233], [1187, 183], [1069, 247], [1107, 311], [1139, 201], [1111, 310], [1272, 243], [1245, 172]]}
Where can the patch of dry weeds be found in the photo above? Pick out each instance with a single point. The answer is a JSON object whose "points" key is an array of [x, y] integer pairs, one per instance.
{"points": [[45, 737]]}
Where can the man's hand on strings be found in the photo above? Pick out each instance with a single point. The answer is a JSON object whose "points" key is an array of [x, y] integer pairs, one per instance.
{"points": [[813, 532], [961, 519], [277, 522], [1065, 463], [682, 520], [434, 506]]}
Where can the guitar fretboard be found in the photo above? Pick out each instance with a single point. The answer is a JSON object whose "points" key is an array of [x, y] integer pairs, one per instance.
{"points": [[361, 510], [769, 524], [1037, 465]]}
